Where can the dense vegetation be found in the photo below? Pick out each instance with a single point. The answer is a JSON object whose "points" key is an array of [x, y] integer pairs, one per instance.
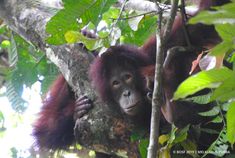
{"points": [[27, 65]]}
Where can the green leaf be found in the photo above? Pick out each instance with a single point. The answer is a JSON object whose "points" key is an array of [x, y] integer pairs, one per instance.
{"points": [[181, 134], [219, 147], [204, 79], [163, 138], [103, 34], [90, 43], [225, 91], [138, 134], [221, 48], [95, 11], [218, 119], [226, 31], [143, 145], [202, 99], [231, 123], [165, 152], [177, 135], [209, 131], [147, 27], [214, 111], [111, 14], [223, 14], [66, 19], [5, 44], [3, 30]]}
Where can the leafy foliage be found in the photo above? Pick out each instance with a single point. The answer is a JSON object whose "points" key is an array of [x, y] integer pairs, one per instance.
{"points": [[220, 81], [204, 79], [219, 147], [111, 25], [27, 66], [223, 19], [84, 10]]}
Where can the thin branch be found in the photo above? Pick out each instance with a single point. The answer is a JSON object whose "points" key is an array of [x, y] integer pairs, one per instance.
{"points": [[184, 20], [119, 16], [221, 114], [157, 100], [134, 16], [170, 21]]}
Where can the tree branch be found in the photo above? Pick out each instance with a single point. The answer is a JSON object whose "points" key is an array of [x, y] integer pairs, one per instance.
{"points": [[157, 93]]}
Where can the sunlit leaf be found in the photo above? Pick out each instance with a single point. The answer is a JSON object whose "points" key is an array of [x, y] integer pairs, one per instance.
{"points": [[204, 79], [225, 91], [221, 48], [222, 14], [146, 28], [226, 31], [163, 138], [165, 152], [5, 44], [143, 145], [67, 19], [90, 43], [231, 123]]}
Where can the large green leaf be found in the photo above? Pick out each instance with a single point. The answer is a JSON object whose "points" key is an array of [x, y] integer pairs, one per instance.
{"points": [[67, 19], [223, 14], [204, 79], [226, 31], [143, 145], [231, 123], [225, 91], [222, 48]]}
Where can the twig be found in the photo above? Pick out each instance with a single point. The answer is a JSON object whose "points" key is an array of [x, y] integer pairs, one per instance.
{"points": [[184, 20], [170, 21], [221, 113], [157, 100], [119, 16], [134, 16]]}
